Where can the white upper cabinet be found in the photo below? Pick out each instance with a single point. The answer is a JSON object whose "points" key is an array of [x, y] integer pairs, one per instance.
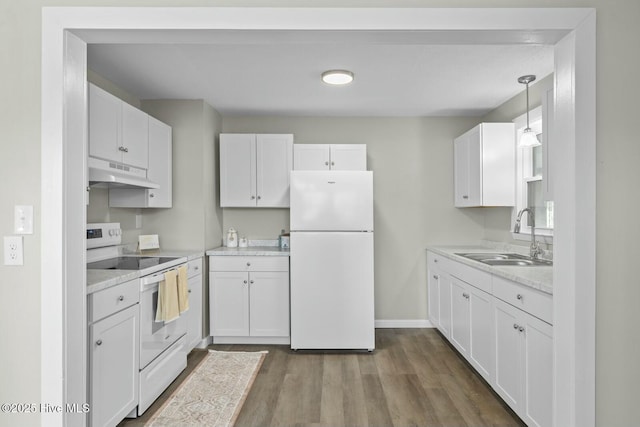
{"points": [[160, 172], [330, 157], [117, 131], [484, 166], [254, 170]]}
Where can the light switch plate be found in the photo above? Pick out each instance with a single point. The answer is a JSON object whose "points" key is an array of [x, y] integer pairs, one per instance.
{"points": [[23, 219], [150, 241]]}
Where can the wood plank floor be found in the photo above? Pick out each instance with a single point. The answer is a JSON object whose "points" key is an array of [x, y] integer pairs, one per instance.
{"points": [[414, 378]]}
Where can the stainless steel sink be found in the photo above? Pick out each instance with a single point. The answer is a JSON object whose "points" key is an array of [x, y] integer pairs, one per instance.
{"points": [[505, 259]]}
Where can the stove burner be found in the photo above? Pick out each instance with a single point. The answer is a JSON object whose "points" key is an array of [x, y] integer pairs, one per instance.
{"points": [[128, 263]]}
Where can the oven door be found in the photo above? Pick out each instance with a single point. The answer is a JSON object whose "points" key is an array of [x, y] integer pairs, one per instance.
{"points": [[155, 337]]}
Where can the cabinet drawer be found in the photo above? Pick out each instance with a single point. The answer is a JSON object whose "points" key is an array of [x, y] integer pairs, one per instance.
{"points": [[194, 267], [527, 299], [438, 262], [478, 278], [111, 300], [249, 263]]}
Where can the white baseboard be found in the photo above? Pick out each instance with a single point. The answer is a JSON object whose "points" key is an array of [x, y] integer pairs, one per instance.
{"points": [[404, 323]]}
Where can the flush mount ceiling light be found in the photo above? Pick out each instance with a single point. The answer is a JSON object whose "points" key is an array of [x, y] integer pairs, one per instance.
{"points": [[337, 77], [528, 137]]}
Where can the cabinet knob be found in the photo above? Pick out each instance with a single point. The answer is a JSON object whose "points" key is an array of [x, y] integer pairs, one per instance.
{"points": [[465, 197], [189, 291], [521, 329], [251, 282], [515, 326], [99, 342], [196, 268], [124, 149], [88, 188], [465, 295], [248, 264], [435, 260], [121, 298], [326, 163], [333, 164], [152, 195], [245, 282], [520, 296], [253, 197], [435, 276], [259, 197]]}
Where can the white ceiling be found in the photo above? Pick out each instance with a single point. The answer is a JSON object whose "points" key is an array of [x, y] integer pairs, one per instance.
{"points": [[278, 72]]}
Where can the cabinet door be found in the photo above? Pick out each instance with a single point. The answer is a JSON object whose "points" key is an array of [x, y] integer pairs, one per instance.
{"points": [[229, 303], [538, 372], [104, 124], [160, 164], [348, 157], [461, 171], [445, 305], [269, 304], [311, 157], [508, 381], [113, 367], [460, 316], [135, 136], [274, 154], [433, 284], [468, 169], [237, 170], [194, 327], [481, 338]]}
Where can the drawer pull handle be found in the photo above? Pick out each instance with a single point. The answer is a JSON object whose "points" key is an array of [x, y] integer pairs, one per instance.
{"points": [[121, 298], [520, 297], [99, 342]]}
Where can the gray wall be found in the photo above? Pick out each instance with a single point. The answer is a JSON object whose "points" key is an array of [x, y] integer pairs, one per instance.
{"points": [[412, 164], [193, 223], [618, 152]]}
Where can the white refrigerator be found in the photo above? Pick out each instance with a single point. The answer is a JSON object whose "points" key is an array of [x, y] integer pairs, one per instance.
{"points": [[332, 298]]}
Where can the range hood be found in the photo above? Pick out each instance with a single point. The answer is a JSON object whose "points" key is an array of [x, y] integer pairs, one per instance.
{"points": [[104, 173]]}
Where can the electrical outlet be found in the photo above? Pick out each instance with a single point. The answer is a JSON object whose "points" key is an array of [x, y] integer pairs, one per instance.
{"points": [[13, 250]]}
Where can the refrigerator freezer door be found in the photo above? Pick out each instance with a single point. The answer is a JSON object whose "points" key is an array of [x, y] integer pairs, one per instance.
{"points": [[331, 201], [332, 296]]}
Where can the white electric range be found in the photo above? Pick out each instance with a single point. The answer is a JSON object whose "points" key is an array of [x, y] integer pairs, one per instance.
{"points": [[163, 353]]}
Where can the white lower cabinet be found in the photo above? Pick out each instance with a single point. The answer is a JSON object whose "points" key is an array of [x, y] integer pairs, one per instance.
{"points": [[113, 353], [472, 325], [194, 326], [502, 328], [524, 362], [249, 299]]}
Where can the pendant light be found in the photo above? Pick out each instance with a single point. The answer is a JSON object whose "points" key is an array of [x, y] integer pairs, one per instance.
{"points": [[528, 137]]}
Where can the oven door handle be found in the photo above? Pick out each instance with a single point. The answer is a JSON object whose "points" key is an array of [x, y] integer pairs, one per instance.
{"points": [[147, 282]]}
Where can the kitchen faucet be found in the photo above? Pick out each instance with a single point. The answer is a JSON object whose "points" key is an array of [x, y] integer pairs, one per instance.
{"points": [[534, 250]]}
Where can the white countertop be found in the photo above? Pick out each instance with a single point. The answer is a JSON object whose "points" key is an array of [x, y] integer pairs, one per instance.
{"points": [[250, 251], [98, 280], [537, 277]]}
